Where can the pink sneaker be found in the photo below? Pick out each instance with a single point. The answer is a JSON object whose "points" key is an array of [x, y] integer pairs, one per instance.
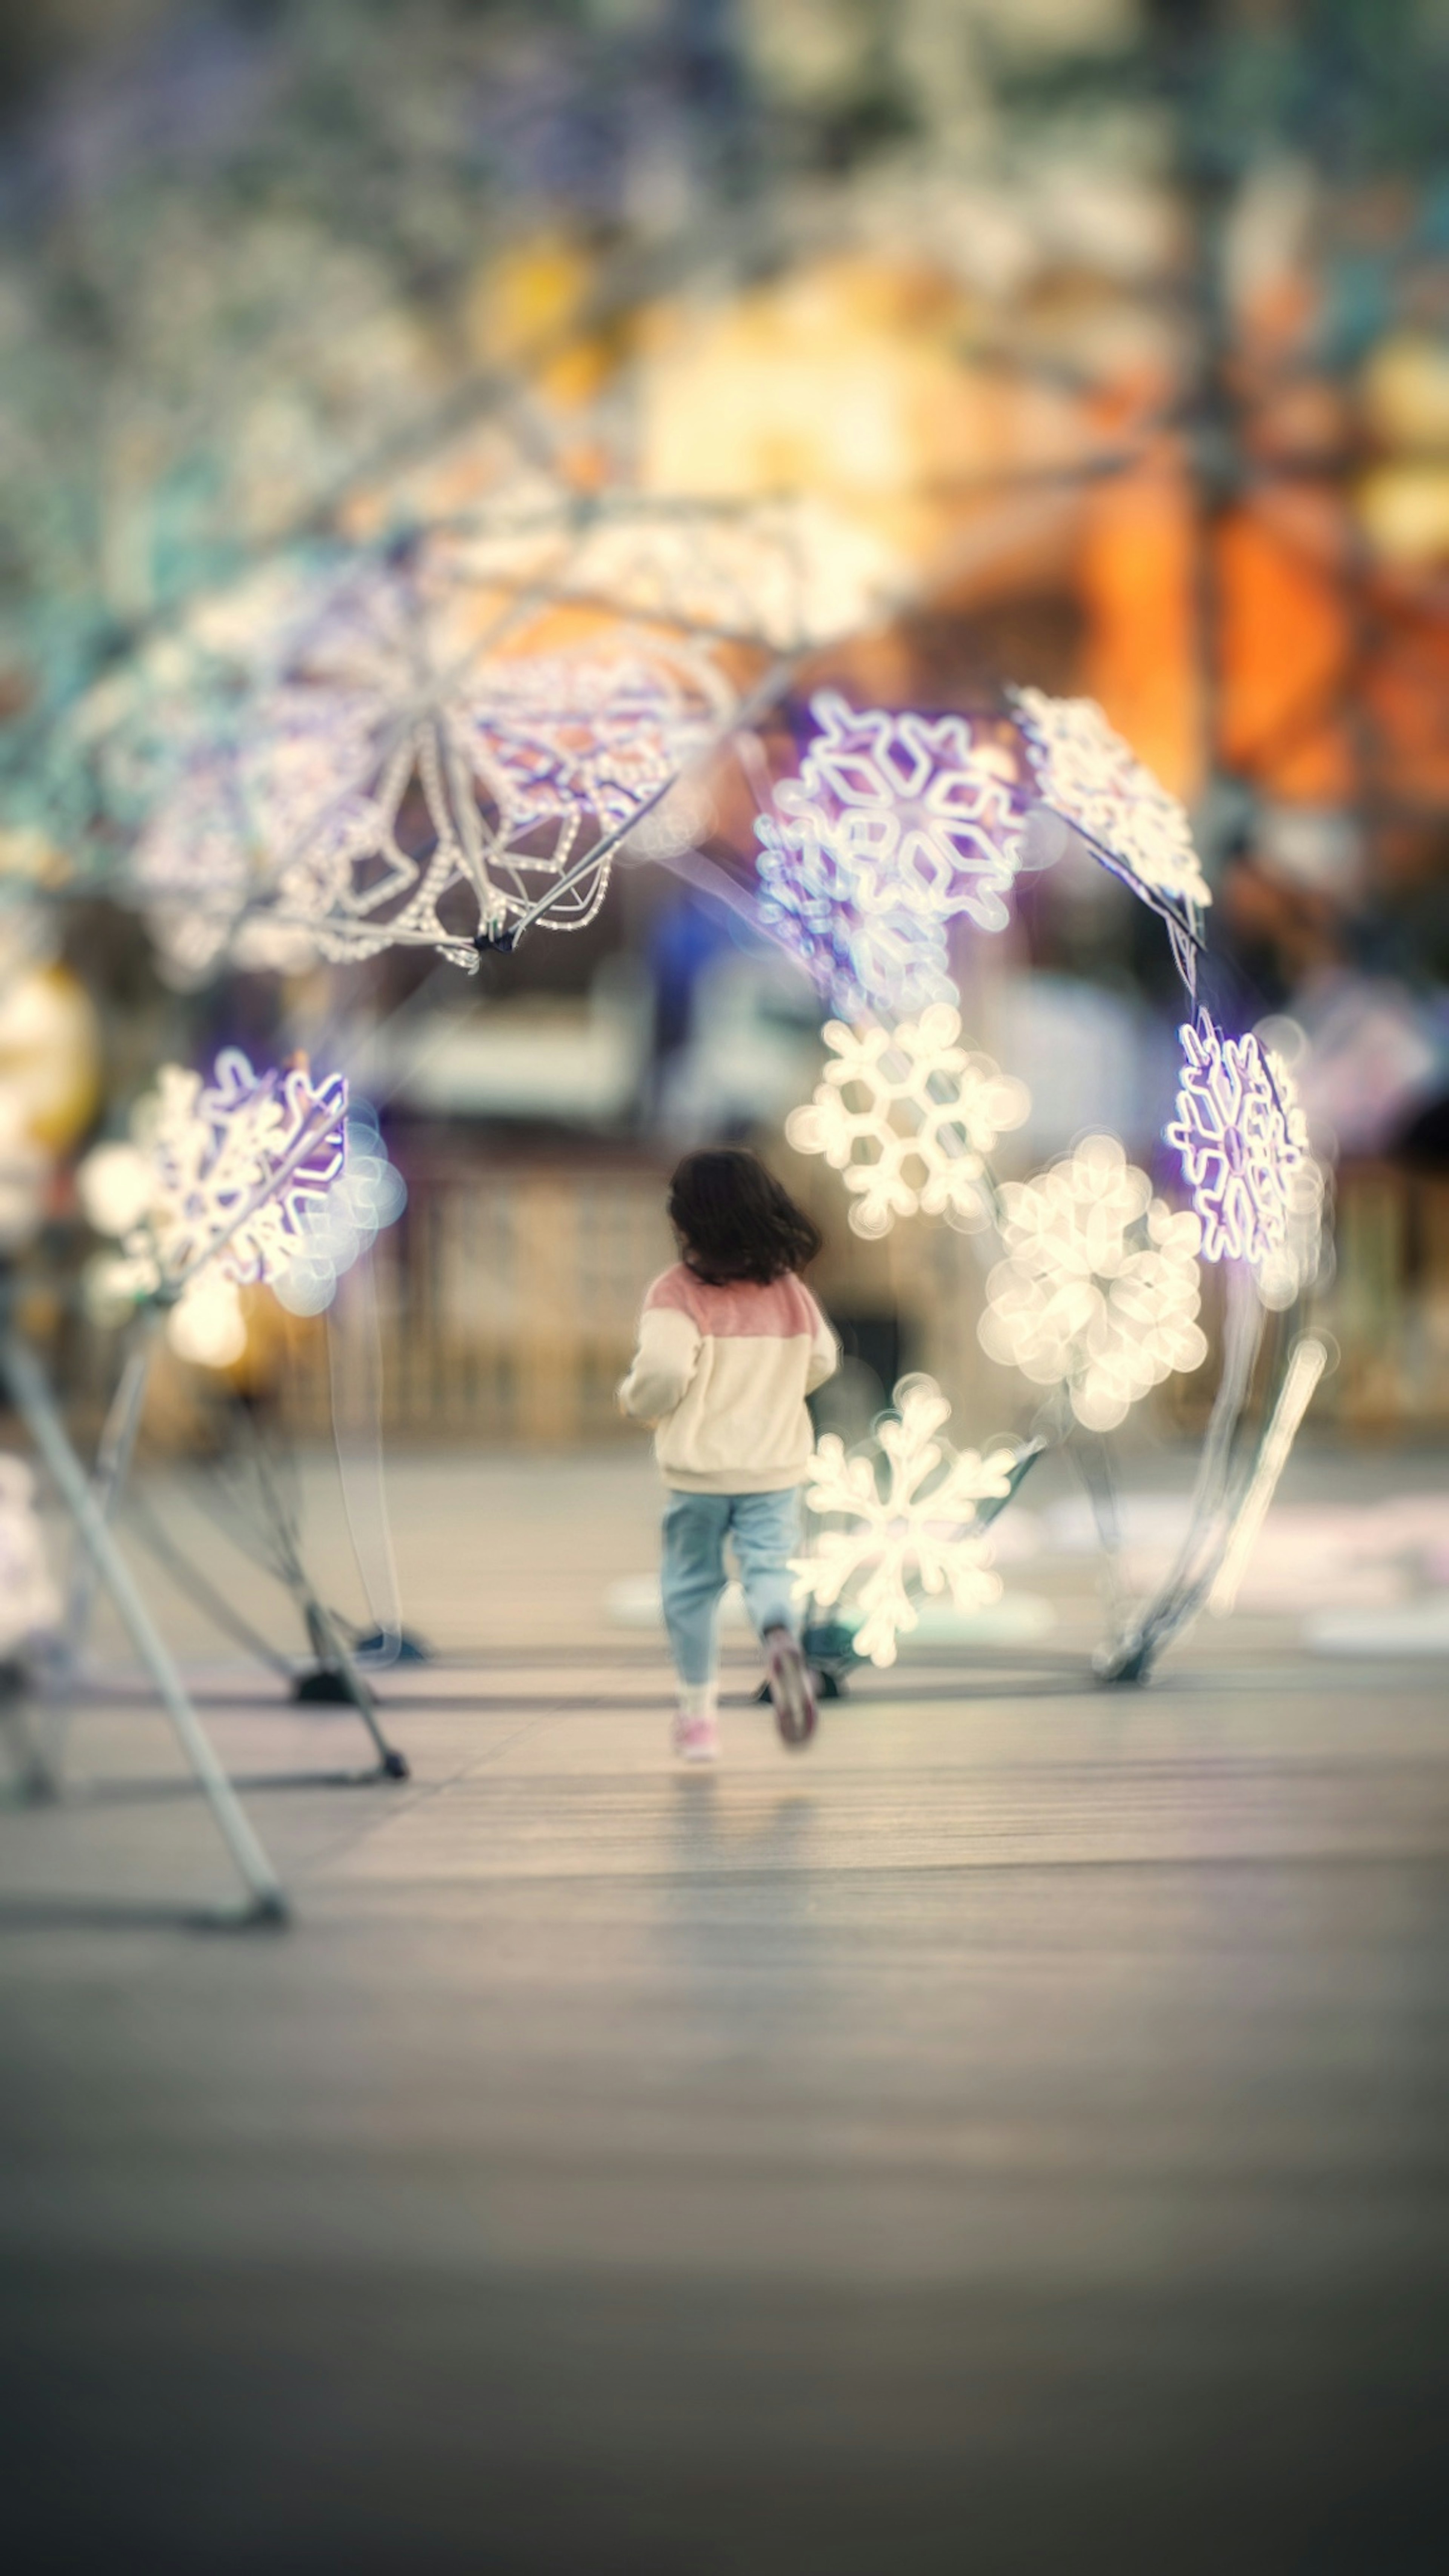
{"points": [[792, 1693], [696, 1739]]}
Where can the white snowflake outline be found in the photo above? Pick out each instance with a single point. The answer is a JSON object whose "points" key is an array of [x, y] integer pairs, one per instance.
{"points": [[366, 782], [924, 1530], [235, 1165], [1098, 1290], [958, 1104], [1092, 778], [1242, 1139]]}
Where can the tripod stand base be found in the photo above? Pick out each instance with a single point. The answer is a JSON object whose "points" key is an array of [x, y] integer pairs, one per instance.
{"points": [[410, 1649], [323, 1686]]}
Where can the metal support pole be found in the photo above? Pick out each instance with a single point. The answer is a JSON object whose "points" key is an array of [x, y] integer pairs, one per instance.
{"points": [[354, 1357], [36, 1406], [113, 1465]]}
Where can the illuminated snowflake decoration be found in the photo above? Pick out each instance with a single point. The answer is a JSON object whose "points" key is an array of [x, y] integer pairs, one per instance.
{"points": [[896, 824], [919, 1535], [1086, 773], [336, 1230], [222, 1173], [908, 1116], [391, 783], [1100, 1287], [29, 1600], [868, 959], [1243, 1141]]}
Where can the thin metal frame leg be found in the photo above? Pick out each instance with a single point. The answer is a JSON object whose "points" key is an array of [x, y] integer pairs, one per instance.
{"points": [[37, 1408], [114, 1453]]}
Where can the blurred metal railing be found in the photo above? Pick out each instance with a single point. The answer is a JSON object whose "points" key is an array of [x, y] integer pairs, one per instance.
{"points": [[509, 1297]]}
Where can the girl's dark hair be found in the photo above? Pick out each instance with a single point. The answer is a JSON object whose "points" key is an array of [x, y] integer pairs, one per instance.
{"points": [[734, 1220]]}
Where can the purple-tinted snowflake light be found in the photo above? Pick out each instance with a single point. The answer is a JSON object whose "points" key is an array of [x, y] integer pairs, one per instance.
{"points": [[1243, 1143], [868, 959], [384, 779], [896, 825]]}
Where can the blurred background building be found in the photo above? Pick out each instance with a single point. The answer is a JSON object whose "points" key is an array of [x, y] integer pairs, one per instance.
{"points": [[1096, 344]]}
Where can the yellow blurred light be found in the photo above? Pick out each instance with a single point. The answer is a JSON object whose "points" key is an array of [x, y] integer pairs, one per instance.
{"points": [[527, 296], [848, 381], [115, 1185], [208, 1327], [1406, 392], [1405, 512], [28, 853], [50, 1054]]}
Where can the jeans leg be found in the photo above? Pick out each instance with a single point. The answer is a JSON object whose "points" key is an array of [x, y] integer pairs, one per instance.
{"points": [[766, 1533], [692, 1578]]}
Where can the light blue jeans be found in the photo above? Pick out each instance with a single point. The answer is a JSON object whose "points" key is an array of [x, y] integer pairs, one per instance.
{"points": [[765, 1530]]}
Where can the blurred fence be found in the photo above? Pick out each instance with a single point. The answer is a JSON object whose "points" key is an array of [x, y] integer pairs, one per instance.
{"points": [[509, 1296], [508, 1300]]}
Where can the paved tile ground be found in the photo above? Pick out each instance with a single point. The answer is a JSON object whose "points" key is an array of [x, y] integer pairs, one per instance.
{"points": [[1009, 2137]]}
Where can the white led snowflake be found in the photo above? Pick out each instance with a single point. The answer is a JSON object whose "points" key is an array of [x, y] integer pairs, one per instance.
{"points": [[927, 1114], [919, 810], [1100, 1287], [220, 1173], [1243, 1141], [29, 1600], [921, 1534], [390, 782], [1086, 773]]}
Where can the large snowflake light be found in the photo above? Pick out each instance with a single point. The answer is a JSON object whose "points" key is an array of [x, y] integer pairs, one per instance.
{"points": [[1244, 1144], [1099, 1289], [386, 778], [215, 1193], [1086, 773], [919, 1534], [924, 1115], [896, 824]]}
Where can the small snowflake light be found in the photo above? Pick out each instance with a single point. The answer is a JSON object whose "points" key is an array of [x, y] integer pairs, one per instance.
{"points": [[215, 1192], [1099, 1290], [918, 1535], [908, 1116], [29, 1600], [1243, 1141], [868, 958], [336, 1230], [1086, 773]]}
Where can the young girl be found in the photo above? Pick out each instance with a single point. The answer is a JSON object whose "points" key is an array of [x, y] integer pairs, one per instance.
{"points": [[730, 1344]]}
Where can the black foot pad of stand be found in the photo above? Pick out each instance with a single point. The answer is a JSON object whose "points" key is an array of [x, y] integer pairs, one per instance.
{"points": [[411, 1649], [324, 1684]]}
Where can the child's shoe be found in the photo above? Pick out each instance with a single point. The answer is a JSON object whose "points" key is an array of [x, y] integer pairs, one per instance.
{"points": [[696, 1736], [792, 1693]]}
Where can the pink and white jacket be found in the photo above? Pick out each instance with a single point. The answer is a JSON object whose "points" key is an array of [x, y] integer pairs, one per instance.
{"points": [[723, 1373]]}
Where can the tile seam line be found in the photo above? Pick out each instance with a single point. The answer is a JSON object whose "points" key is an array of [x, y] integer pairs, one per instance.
{"points": [[411, 1804]]}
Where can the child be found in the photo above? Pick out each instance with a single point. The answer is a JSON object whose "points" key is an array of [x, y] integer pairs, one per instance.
{"points": [[730, 1344]]}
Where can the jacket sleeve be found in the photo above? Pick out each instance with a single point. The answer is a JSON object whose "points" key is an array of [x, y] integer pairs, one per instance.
{"points": [[824, 1354], [664, 1363]]}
